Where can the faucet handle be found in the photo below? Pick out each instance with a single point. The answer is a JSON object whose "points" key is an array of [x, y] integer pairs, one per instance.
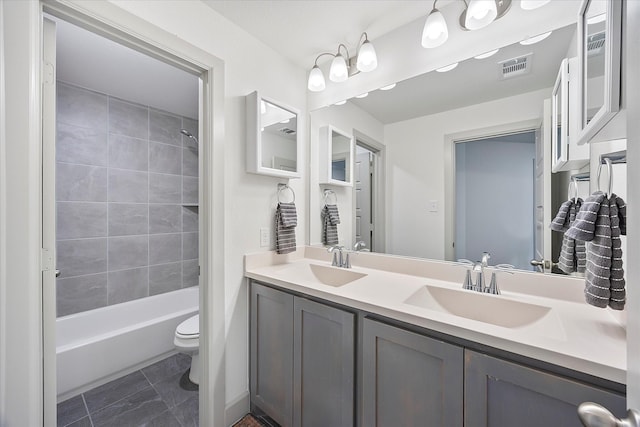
{"points": [[493, 286], [485, 259]]}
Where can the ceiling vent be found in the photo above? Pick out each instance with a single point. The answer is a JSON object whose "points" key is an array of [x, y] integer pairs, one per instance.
{"points": [[287, 131], [515, 67], [595, 43]]}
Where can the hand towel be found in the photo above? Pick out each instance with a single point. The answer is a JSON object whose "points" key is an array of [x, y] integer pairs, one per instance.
{"points": [[286, 221], [583, 228], [561, 221], [330, 221], [599, 253], [617, 213], [572, 254]]}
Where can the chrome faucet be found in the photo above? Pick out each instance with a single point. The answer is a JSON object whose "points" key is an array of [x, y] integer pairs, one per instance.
{"points": [[359, 246], [478, 269], [340, 256]]}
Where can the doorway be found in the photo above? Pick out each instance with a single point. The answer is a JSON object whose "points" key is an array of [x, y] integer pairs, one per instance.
{"points": [[368, 194], [494, 187]]}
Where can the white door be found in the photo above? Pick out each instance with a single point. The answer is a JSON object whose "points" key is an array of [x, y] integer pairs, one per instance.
{"points": [[363, 175], [542, 215], [49, 221]]}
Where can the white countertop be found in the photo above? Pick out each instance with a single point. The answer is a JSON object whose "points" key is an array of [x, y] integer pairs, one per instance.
{"points": [[571, 334]]}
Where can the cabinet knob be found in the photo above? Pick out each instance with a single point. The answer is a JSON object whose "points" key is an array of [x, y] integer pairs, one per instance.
{"points": [[594, 415]]}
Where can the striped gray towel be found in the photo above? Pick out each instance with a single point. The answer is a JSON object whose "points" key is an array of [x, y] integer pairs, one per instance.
{"points": [[584, 227], [599, 253], [286, 221], [562, 220], [572, 254], [330, 221], [617, 213]]}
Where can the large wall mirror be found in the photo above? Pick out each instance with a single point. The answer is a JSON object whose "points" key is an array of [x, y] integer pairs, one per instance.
{"points": [[273, 142], [599, 38], [427, 128]]}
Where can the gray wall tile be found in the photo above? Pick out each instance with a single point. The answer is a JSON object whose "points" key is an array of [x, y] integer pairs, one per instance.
{"points": [[127, 219], [190, 161], [165, 278], [189, 218], [190, 246], [165, 158], [164, 188], [190, 273], [80, 220], [165, 248], [165, 128], [80, 145], [79, 257], [128, 252], [126, 152], [82, 293], [128, 186], [81, 183], [81, 107], [127, 285], [128, 119], [165, 219], [189, 189]]}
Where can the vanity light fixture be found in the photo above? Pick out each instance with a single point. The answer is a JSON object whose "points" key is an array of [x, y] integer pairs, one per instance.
{"points": [[343, 67], [435, 31], [447, 68], [480, 13], [344, 101], [388, 87], [533, 4], [362, 95], [535, 39], [486, 54]]}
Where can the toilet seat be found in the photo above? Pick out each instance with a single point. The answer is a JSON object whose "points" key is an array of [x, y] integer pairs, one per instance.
{"points": [[189, 329]]}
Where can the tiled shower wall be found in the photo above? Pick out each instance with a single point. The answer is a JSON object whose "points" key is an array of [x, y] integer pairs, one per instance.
{"points": [[126, 201]]}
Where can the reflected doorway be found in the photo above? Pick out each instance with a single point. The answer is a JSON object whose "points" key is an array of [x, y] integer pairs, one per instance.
{"points": [[368, 196]]}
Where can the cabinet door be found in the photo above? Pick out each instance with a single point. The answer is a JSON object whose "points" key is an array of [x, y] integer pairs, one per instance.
{"points": [[323, 360], [272, 353], [505, 394], [409, 379]]}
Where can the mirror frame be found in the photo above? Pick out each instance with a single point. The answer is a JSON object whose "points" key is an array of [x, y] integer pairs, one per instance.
{"points": [[326, 156], [561, 88], [254, 138], [612, 80]]}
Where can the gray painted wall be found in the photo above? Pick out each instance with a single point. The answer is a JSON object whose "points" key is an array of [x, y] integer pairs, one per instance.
{"points": [[124, 175]]}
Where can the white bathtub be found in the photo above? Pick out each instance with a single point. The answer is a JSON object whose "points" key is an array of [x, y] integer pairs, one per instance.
{"points": [[97, 346]]}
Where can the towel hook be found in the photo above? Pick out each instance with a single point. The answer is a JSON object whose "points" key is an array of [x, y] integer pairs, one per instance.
{"points": [[281, 188], [573, 185], [609, 164], [327, 194]]}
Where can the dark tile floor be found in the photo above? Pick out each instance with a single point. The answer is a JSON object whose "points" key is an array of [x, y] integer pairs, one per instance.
{"points": [[159, 395]]}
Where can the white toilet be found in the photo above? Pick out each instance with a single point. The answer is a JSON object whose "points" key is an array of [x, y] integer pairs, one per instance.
{"points": [[187, 340]]}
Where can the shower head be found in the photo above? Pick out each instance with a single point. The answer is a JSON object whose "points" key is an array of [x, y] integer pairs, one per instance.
{"points": [[189, 134]]}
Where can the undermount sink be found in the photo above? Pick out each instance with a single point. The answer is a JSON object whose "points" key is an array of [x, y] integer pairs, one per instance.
{"points": [[477, 306], [331, 276]]}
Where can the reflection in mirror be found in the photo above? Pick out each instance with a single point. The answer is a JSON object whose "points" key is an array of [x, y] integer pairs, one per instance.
{"points": [[273, 140], [418, 124], [596, 20], [340, 156], [278, 134], [336, 156]]}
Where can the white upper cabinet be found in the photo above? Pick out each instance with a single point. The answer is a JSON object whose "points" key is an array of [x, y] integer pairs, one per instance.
{"points": [[336, 157], [599, 47], [273, 138]]}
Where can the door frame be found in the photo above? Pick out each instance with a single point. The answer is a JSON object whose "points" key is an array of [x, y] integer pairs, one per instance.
{"points": [[378, 193], [450, 176], [112, 22]]}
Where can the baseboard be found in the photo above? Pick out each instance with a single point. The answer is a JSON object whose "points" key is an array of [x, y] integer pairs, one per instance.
{"points": [[236, 409]]}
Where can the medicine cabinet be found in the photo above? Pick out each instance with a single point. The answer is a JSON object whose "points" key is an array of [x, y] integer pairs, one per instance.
{"points": [[599, 46], [565, 107], [336, 157], [273, 138]]}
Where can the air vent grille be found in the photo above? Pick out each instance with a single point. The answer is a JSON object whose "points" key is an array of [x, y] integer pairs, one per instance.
{"points": [[515, 67], [287, 130], [595, 43]]}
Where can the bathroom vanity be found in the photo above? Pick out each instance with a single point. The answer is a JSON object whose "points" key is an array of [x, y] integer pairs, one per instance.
{"points": [[397, 341]]}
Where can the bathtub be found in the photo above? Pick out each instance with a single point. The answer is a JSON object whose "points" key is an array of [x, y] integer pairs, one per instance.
{"points": [[97, 346]]}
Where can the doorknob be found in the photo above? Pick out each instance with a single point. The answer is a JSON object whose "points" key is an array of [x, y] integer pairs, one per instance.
{"points": [[594, 415], [537, 263]]}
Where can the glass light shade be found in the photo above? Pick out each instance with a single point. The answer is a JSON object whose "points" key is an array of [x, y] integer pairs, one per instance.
{"points": [[435, 31], [388, 87], [480, 13], [535, 39], [367, 59], [533, 4], [316, 80], [447, 68], [487, 54], [338, 71], [362, 95]]}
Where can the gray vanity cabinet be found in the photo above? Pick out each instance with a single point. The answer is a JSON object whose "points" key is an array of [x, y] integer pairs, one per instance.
{"points": [[302, 360], [409, 379], [504, 394]]}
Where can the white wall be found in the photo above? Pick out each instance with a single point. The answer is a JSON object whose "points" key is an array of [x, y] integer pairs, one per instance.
{"points": [[347, 118], [415, 168]]}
